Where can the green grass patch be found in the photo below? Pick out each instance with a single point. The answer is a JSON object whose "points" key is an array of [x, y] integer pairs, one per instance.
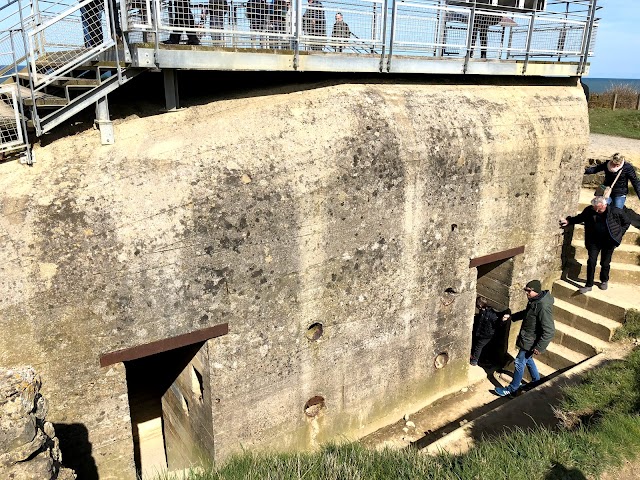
{"points": [[631, 326], [619, 123], [601, 428]]}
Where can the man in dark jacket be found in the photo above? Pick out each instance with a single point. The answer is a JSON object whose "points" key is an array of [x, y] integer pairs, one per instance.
{"points": [[604, 227], [535, 334], [314, 22], [484, 327]]}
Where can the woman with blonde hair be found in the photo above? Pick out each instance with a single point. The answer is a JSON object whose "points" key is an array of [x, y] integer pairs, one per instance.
{"points": [[617, 174]]}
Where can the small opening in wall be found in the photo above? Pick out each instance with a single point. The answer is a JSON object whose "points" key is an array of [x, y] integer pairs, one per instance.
{"points": [[197, 386], [451, 291], [315, 331], [441, 360], [314, 406], [454, 227]]}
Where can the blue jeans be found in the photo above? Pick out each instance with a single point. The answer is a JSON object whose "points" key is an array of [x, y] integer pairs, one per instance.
{"points": [[618, 201], [524, 357]]}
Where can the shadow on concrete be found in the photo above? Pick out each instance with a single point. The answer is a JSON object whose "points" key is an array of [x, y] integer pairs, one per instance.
{"points": [[76, 449], [537, 414], [144, 95], [560, 472]]}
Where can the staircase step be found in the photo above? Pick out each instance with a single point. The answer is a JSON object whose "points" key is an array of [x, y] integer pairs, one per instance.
{"points": [[632, 237], [558, 356], [625, 253], [620, 272], [65, 81], [591, 323], [42, 99], [591, 302], [578, 341]]}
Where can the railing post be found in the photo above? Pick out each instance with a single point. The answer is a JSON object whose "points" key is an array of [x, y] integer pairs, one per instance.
{"points": [[18, 99], [638, 103], [472, 19], [298, 26], [586, 38], [394, 12], [614, 102], [385, 15], [156, 22], [529, 41]]}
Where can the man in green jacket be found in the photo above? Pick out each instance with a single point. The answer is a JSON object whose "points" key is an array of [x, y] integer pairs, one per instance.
{"points": [[535, 334]]}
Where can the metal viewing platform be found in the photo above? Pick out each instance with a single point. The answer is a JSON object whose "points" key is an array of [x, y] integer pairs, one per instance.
{"points": [[59, 57]]}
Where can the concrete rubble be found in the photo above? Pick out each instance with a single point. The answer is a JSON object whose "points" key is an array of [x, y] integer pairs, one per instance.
{"points": [[29, 449]]}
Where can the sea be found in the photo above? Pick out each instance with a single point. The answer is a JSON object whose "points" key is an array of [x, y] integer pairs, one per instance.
{"points": [[599, 85]]}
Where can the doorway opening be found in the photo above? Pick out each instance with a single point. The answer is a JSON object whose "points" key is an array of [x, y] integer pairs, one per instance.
{"points": [[494, 283], [170, 404]]}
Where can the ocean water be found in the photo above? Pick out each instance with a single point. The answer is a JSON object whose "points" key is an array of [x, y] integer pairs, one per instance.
{"points": [[599, 85]]}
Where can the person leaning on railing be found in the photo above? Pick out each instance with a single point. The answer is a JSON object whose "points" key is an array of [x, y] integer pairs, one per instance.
{"points": [[340, 30]]}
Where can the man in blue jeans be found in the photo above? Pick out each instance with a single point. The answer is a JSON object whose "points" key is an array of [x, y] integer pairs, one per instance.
{"points": [[535, 334]]}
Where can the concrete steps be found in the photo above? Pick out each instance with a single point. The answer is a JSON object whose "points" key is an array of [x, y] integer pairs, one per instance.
{"points": [[620, 272], [596, 301], [598, 326], [578, 341], [559, 357], [632, 237], [625, 253]]}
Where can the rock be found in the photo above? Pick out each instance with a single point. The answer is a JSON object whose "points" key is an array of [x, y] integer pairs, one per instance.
{"points": [[410, 424], [464, 390], [29, 449], [405, 430]]}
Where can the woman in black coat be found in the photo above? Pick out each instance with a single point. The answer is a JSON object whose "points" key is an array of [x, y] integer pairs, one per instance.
{"points": [[616, 165]]}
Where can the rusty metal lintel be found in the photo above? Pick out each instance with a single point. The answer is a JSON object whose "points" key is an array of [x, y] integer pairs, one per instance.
{"points": [[163, 345], [494, 257]]}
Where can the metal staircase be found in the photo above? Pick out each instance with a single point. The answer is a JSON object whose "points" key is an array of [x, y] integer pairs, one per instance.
{"points": [[58, 58]]}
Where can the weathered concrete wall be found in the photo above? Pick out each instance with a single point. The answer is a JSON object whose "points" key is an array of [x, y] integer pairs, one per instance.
{"points": [[356, 206]]}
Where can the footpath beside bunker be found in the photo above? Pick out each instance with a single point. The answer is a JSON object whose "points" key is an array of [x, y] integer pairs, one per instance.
{"points": [[277, 271]]}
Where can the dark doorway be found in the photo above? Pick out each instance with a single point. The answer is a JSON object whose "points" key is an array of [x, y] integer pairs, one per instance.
{"points": [[170, 404], [494, 283]]}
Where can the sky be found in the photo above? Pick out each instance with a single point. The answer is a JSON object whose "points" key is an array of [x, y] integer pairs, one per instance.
{"points": [[617, 53]]}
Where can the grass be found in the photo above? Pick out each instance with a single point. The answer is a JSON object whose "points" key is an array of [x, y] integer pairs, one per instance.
{"points": [[630, 328], [619, 123], [600, 428]]}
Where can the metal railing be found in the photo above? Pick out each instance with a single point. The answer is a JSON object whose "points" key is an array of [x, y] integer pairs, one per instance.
{"points": [[425, 28], [44, 40]]}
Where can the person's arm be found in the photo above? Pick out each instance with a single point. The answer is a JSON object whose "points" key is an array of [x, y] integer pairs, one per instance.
{"points": [[598, 168], [518, 315], [633, 178], [580, 218], [548, 329]]}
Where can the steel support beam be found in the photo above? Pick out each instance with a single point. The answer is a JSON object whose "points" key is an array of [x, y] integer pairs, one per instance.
{"points": [[103, 121], [171, 95]]}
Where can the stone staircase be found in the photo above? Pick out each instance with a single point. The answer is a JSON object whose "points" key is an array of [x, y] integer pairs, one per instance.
{"points": [[586, 323]]}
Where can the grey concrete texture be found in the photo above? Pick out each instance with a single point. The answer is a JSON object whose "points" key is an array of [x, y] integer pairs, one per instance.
{"points": [[355, 206]]}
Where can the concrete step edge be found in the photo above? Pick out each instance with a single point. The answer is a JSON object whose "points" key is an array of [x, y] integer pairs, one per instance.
{"points": [[566, 353], [624, 247], [588, 344], [594, 301], [462, 439], [583, 312]]}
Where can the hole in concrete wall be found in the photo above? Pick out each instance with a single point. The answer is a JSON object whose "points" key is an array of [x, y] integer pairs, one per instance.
{"points": [[449, 296], [314, 406], [197, 387], [441, 360], [454, 227], [315, 331]]}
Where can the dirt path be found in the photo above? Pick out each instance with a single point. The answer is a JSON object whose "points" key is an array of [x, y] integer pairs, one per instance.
{"points": [[603, 146]]}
